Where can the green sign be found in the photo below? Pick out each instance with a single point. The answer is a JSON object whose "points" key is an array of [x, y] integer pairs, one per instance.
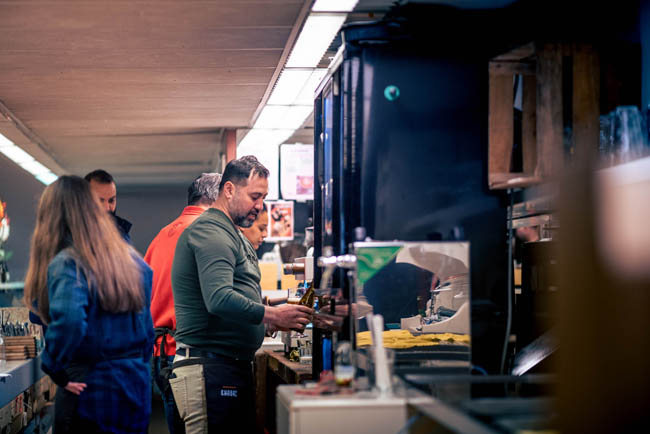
{"points": [[372, 259]]}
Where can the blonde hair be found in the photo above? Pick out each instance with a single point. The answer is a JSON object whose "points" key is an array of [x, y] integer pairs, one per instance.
{"points": [[69, 217]]}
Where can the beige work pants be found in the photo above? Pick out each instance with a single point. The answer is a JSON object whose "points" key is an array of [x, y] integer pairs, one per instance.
{"points": [[189, 393]]}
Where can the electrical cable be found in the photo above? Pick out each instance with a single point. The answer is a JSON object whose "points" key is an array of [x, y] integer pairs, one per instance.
{"points": [[509, 312]]}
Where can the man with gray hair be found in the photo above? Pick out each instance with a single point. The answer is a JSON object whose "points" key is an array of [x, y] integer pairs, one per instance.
{"points": [[201, 195]]}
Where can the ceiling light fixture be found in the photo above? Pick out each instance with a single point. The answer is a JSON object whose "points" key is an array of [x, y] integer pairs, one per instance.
{"points": [[289, 86], [26, 161], [314, 39], [265, 137], [334, 5], [292, 100]]}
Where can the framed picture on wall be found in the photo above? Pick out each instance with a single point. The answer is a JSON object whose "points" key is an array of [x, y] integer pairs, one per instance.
{"points": [[281, 220]]}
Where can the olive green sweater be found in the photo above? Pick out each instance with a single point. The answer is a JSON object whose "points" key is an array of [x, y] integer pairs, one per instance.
{"points": [[217, 296]]}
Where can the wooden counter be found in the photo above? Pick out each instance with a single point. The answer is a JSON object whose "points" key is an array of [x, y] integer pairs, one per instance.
{"points": [[271, 370]]}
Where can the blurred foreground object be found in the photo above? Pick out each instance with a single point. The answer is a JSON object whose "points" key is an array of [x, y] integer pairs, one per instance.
{"points": [[604, 313]]}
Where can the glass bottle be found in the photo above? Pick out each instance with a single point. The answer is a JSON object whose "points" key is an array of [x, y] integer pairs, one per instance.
{"points": [[343, 368], [307, 298]]}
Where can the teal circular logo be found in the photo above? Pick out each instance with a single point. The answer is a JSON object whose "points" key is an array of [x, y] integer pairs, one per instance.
{"points": [[391, 92]]}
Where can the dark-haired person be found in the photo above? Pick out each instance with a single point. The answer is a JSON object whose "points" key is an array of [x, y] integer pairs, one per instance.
{"points": [[201, 195], [92, 290], [103, 187], [220, 318], [258, 231]]}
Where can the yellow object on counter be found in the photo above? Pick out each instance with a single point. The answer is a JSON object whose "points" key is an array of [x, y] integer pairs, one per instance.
{"points": [[404, 339], [289, 281], [269, 272]]}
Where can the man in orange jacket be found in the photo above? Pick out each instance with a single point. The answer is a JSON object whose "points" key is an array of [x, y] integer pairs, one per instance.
{"points": [[201, 195]]}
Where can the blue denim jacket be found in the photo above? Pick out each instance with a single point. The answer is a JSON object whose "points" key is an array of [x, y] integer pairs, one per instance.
{"points": [[116, 348]]}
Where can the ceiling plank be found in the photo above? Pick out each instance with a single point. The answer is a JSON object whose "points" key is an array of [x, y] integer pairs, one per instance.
{"points": [[12, 77], [160, 58], [103, 91], [112, 104], [150, 142], [172, 16], [158, 126], [145, 39], [84, 115]]}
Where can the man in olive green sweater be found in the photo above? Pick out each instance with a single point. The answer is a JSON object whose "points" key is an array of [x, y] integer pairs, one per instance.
{"points": [[220, 318]]}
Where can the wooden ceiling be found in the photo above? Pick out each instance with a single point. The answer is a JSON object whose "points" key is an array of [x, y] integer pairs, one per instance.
{"points": [[143, 89]]}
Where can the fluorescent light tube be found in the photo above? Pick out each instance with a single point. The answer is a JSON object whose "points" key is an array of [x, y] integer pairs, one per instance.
{"points": [[296, 87], [306, 96], [289, 86], [334, 5], [314, 40], [16, 154], [5, 141], [296, 116], [34, 167], [47, 178], [262, 137], [26, 161], [282, 117], [271, 117]]}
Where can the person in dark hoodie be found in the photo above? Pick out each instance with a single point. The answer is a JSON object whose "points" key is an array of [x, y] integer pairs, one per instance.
{"points": [[103, 187]]}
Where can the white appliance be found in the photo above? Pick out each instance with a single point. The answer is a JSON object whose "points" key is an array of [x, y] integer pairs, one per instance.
{"points": [[361, 412]]}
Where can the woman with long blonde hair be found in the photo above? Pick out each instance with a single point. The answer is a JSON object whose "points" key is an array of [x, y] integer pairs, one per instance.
{"points": [[92, 290]]}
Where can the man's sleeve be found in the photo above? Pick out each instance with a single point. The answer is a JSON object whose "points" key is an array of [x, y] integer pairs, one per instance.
{"points": [[215, 255]]}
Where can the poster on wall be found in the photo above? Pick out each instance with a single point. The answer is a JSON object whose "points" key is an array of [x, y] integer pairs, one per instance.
{"points": [[297, 172], [280, 220], [268, 156]]}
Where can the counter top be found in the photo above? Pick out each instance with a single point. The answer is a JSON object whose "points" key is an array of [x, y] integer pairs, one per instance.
{"points": [[10, 286], [22, 374], [290, 372]]}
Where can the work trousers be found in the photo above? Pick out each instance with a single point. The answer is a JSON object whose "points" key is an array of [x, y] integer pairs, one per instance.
{"points": [[214, 395]]}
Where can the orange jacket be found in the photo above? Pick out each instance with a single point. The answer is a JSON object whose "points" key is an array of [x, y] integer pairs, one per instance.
{"points": [[160, 256]]}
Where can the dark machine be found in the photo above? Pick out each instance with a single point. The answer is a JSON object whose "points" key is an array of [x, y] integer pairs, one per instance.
{"points": [[401, 154]]}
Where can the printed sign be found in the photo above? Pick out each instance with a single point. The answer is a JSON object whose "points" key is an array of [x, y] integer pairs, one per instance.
{"points": [[297, 172], [281, 220]]}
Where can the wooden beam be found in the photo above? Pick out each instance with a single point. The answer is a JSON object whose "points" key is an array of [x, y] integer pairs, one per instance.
{"points": [[231, 145], [511, 68], [518, 53], [500, 124], [529, 124], [586, 101], [549, 111]]}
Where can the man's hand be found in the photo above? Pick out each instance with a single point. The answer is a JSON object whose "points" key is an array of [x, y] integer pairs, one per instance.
{"points": [[288, 316], [75, 388]]}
